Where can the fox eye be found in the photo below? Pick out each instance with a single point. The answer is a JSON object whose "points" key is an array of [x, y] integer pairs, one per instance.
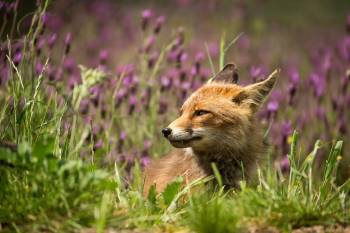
{"points": [[200, 112]]}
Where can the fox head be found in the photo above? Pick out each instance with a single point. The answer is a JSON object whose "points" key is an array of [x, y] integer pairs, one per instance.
{"points": [[220, 114]]}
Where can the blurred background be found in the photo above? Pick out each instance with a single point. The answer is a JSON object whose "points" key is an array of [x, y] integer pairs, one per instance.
{"points": [[155, 53]]}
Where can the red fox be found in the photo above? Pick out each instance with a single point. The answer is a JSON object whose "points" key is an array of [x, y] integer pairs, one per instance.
{"points": [[217, 124]]}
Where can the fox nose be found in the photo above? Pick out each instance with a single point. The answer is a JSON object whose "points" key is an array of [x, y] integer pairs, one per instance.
{"points": [[166, 132]]}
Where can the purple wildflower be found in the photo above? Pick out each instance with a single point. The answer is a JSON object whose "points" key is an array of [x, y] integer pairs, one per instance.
{"points": [[199, 57], [272, 107], [146, 16], [103, 56], [17, 58], [343, 125], [73, 80], [163, 106], [4, 75], [152, 59], [146, 97], [38, 68], [318, 83], [149, 43], [120, 96], [165, 82], [98, 144], [286, 128], [159, 22], [67, 42], [52, 40], [284, 164], [121, 141], [69, 64], [132, 104]]}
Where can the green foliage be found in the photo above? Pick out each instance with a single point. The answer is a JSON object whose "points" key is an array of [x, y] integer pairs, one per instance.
{"points": [[34, 183], [171, 191], [214, 213]]}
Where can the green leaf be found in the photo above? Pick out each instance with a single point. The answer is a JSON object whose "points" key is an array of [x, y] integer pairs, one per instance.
{"points": [[171, 190], [24, 148], [217, 174], [152, 195], [44, 147]]}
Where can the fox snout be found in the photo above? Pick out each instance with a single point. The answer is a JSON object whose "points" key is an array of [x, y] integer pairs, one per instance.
{"points": [[179, 137], [166, 131]]}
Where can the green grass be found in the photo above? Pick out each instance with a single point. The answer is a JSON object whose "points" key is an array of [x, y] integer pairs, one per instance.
{"points": [[47, 187]]}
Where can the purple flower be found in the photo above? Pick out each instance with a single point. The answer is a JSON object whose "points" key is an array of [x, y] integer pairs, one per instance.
{"points": [[121, 141], [17, 58], [4, 75], [199, 57], [286, 128], [163, 106], [256, 72], [122, 136], [68, 38], [145, 161], [343, 125], [344, 48], [146, 97], [272, 107], [147, 144], [318, 83], [126, 69], [165, 82], [103, 56], [132, 104], [40, 45], [73, 80], [44, 19], [98, 144], [149, 43], [179, 39], [284, 164], [186, 85], [120, 96], [294, 76], [84, 106], [52, 40], [127, 81], [69, 64], [38, 68], [146, 16], [321, 113], [152, 59], [213, 49], [159, 22], [67, 42], [172, 55]]}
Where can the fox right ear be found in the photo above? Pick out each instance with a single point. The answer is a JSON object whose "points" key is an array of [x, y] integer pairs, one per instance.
{"points": [[228, 74], [256, 93]]}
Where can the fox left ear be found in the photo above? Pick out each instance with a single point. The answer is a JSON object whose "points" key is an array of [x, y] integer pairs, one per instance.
{"points": [[228, 74], [256, 93]]}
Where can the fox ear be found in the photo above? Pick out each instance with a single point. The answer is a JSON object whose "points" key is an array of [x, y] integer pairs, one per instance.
{"points": [[256, 93], [228, 74]]}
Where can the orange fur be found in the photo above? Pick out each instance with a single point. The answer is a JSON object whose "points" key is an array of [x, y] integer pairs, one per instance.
{"points": [[217, 124]]}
